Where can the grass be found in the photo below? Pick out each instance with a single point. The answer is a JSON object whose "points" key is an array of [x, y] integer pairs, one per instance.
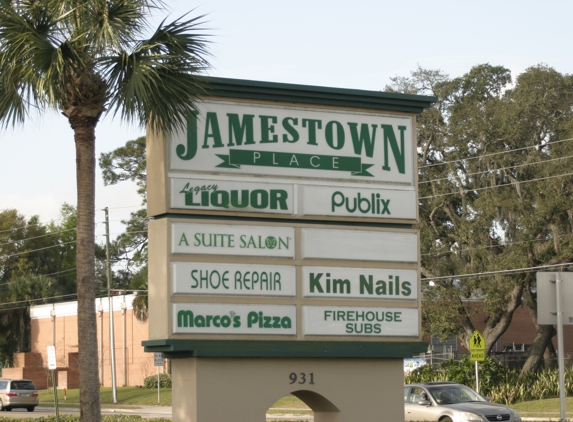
{"points": [[125, 396], [132, 396], [546, 408], [291, 405]]}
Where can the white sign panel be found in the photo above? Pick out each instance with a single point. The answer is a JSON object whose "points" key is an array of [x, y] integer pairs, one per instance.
{"points": [[214, 239], [357, 202], [240, 139], [52, 364], [359, 321], [547, 297], [158, 359], [360, 245], [223, 195], [360, 283], [233, 319], [233, 279]]}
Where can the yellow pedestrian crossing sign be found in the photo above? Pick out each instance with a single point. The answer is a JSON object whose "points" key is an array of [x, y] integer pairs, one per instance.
{"points": [[477, 347]]}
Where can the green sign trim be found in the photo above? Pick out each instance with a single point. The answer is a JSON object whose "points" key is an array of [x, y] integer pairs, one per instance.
{"points": [[237, 158], [307, 94], [283, 349], [297, 222]]}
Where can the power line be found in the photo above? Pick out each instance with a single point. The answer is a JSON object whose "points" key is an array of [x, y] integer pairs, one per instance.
{"points": [[62, 244], [29, 225], [36, 237], [499, 169], [119, 208], [36, 250], [38, 275], [139, 293], [495, 153], [497, 186], [52, 221], [499, 272], [35, 300], [494, 246]]}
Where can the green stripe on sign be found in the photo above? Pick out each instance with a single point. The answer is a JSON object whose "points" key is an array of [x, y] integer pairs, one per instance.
{"points": [[237, 158], [172, 348]]}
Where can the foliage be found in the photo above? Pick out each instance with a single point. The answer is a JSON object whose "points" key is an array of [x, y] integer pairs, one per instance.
{"points": [[126, 163], [130, 248], [64, 230], [494, 192], [463, 372], [151, 381], [86, 58], [28, 250], [496, 381]]}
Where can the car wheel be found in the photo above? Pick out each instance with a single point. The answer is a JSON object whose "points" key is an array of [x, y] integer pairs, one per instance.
{"points": [[1, 406], [30, 408], [8, 409]]}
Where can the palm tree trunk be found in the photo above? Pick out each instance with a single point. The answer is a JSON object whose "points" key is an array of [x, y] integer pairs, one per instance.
{"points": [[84, 135]]}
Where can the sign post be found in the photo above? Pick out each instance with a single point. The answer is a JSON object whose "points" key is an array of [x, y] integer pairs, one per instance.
{"points": [[477, 352], [554, 289], [158, 361], [52, 365]]}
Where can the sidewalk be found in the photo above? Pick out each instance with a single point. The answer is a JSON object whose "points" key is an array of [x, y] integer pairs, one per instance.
{"points": [[149, 412]]}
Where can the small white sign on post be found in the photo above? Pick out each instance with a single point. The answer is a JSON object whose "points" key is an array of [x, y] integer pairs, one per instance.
{"points": [[52, 364], [157, 359]]}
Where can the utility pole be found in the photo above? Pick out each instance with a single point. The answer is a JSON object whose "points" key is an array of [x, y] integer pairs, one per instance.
{"points": [[111, 328]]}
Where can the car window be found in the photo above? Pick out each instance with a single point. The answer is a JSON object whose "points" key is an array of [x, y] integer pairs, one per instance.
{"points": [[455, 394], [416, 394], [22, 385], [406, 394], [3, 385]]}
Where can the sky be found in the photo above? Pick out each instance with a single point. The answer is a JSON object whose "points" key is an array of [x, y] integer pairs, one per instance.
{"points": [[357, 44]]}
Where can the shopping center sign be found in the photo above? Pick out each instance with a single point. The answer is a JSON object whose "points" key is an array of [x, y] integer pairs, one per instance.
{"points": [[238, 138], [286, 213]]}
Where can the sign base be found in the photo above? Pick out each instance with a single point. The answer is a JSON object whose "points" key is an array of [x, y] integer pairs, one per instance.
{"points": [[243, 389]]}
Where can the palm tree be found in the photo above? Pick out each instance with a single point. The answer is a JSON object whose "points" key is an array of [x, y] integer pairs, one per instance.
{"points": [[86, 58]]}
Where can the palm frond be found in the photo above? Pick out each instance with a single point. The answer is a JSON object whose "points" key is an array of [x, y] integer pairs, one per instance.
{"points": [[13, 103], [157, 84], [112, 24], [32, 58], [183, 38]]}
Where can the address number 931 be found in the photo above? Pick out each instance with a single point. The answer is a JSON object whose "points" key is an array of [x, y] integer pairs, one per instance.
{"points": [[302, 378]]}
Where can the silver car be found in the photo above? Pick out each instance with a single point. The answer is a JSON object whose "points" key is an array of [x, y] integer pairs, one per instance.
{"points": [[449, 401], [18, 393]]}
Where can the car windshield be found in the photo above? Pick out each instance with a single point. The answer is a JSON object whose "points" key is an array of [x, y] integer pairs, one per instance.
{"points": [[450, 394]]}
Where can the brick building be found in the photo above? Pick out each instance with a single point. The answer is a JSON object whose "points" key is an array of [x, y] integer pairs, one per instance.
{"points": [[513, 345], [57, 324]]}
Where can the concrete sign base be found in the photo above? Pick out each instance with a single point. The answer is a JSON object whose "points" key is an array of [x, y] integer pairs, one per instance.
{"points": [[243, 389]]}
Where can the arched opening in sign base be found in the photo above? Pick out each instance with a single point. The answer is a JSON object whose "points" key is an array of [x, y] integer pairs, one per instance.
{"points": [[324, 410]]}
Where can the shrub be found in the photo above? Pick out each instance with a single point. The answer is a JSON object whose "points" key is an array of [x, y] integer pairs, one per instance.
{"points": [[501, 384], [164, 381]]}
